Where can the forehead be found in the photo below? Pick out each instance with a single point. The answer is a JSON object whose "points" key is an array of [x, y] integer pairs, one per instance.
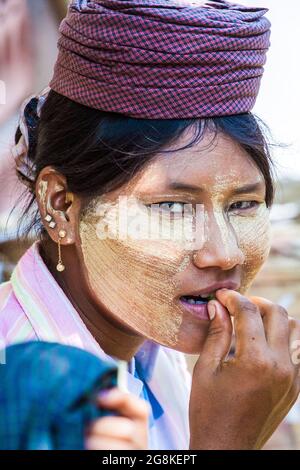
{"points": [[212, 162]]}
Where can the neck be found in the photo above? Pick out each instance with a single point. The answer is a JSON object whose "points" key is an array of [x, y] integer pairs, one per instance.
{"points": [[114, 338]]}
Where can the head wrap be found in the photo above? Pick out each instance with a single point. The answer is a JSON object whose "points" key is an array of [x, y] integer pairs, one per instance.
{"points": [[162, 59], [155, 59]]}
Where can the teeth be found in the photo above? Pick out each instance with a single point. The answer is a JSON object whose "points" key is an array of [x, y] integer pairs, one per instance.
{"points": [[208, 296], [195, 301], [203, 299]]}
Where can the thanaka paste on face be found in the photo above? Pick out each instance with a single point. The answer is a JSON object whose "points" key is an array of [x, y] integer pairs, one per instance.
{"points": [[250, 231], [133, 278], [254, 235], [138, 281]]}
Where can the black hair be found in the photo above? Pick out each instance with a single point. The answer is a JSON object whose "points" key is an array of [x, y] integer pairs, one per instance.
{"points": [[98, 151]]}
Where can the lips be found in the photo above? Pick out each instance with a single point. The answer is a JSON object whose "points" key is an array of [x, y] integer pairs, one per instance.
{"points": [[209, 291], [195, 301], [199, 310]]}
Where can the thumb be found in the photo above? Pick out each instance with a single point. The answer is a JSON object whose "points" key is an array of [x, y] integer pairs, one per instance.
{"points": [[219, 337]]}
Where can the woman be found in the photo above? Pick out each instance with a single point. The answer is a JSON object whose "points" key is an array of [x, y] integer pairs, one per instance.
{"points": [[149, 116]]}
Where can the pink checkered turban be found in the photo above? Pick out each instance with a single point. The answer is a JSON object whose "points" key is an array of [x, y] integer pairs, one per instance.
{"points": [[162, 59]]}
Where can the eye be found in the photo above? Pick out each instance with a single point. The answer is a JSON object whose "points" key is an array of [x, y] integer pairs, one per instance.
{"points": [[243, 206], [172, 208]]}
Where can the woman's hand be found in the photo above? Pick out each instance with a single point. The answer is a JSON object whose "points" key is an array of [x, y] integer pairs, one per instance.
{"points": [[126, 432], [238, 403]]}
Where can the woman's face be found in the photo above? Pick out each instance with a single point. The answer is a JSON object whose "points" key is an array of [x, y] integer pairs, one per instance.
{"points": [[144, 263]]}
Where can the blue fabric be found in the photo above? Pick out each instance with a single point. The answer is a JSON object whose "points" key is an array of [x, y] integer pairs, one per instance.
{"points": [[147, 395], [48, 395]]}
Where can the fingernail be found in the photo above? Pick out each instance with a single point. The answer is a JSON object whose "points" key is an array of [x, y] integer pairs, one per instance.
{"points": [[107, 394], [211, 310], [103, 394]]}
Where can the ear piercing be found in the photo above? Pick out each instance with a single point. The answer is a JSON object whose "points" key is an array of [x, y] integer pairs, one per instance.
{"points": [[50, 221], [69, 197], [61, 234], [60, 266]]}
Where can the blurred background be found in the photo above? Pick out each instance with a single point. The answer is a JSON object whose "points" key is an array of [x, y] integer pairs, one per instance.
{"points": [[28, 36]]}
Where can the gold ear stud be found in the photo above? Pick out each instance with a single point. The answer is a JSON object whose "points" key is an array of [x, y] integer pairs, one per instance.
{"points": [[50, 221]]}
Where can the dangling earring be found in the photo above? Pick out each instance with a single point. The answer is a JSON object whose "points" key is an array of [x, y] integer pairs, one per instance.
{"points": [[60, 266]]}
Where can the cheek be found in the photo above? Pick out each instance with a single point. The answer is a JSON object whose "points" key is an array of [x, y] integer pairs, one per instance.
{"points": [[133, 280], [254, 239]]}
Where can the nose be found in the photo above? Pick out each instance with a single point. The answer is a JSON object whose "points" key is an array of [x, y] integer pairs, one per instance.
{"points": [[220, 248]]}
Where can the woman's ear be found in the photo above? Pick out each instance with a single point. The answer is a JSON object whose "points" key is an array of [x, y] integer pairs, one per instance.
{"points": [[59, 208]]}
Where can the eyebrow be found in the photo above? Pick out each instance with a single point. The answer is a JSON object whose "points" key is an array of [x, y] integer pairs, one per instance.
{"points": [[248, 188]]}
